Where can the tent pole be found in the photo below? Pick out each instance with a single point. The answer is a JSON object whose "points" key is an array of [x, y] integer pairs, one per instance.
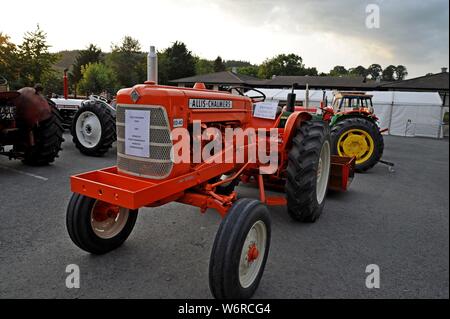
{"points": [[390, 113]]}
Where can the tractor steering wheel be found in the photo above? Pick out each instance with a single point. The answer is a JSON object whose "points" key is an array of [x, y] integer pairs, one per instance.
{"points": [[240, 90]]}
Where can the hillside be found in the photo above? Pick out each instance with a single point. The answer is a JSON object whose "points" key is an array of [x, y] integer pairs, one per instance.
{"points": [[67, 59]]}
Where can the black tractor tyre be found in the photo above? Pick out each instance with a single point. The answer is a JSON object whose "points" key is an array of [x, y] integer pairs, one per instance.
{"points": [[48, 137], [304, 204], [362, 124], [80, 229], [229, 244], [107, 129]]}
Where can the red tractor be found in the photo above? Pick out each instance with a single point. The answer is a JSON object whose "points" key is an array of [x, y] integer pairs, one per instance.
{"points": [[153, 120], [30, 126]]}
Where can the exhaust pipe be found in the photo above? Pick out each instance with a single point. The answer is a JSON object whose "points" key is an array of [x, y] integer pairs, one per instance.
{"points": [[152, 65]]}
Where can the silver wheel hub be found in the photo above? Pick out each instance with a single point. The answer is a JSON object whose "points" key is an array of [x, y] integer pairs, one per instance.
{"points": [[323, 172], [108, 222], [252, 254], [88, 129]]}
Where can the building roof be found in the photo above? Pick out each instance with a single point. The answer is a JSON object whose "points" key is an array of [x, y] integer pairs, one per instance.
{"points": [[225, 77], [435, 82], [333, 82]]}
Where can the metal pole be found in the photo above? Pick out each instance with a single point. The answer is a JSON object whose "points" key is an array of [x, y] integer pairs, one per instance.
{"points": [[390, 113], [152, 65]]}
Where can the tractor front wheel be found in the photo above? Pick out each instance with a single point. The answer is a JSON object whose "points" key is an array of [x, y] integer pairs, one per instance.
{"points": [[240, 250], [96, 226], [359, 138]]}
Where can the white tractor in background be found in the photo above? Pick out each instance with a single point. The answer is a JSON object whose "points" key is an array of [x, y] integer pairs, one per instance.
{"points": [[92, 123]]}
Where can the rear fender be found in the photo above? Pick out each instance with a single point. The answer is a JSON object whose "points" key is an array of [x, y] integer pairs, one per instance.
{"points": [[31, 107], [294, 121]]}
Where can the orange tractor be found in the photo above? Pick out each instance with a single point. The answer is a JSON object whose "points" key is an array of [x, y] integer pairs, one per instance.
{"points": [[104, 206]]}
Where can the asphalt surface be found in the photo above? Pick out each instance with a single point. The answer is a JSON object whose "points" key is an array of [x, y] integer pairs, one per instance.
{"points": [[399, 221]]}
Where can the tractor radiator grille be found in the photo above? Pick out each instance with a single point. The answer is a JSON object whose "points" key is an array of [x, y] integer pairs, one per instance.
{"points": [[159, 164]]}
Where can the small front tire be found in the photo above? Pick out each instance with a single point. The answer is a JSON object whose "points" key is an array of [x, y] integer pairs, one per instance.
{"points": [[96, 226], [240, 250]]}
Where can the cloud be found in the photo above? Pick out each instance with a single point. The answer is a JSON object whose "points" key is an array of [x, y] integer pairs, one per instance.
{"points": [[411, 31]]}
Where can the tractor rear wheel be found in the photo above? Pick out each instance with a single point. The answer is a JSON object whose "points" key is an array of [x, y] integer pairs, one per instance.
{"points": [[93, 128], [360, 138], [308, 171], [96, 226], [240, 250], [48, 137]]}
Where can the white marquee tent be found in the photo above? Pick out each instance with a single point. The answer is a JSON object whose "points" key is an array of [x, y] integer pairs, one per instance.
{"points": [[403, 113]]}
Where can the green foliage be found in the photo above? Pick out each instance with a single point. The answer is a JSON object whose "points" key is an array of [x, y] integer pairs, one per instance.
{"points": [[9, 66], [400, 72], [92, 54], [219, 65], [203, 66], [389, 73], [35, 59], [282, 64], [96, 78], [127, 62], [251, 70], [53, 83], [175, 62], [237, 63], [359, 71], [374, 71], [339, 70]]}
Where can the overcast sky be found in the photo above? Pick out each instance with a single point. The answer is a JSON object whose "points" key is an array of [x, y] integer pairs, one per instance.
{"points": [[324, 32]]}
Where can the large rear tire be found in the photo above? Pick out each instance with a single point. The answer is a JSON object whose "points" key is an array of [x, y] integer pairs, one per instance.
{"points": [[358, 137], [240, 250], [93, 128], [308, 171], [98, 227], [48, 137]]}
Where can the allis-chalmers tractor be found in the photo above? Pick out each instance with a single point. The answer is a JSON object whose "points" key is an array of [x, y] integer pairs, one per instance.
{"points": [[354, 129], [31, 125], [104, 206]]}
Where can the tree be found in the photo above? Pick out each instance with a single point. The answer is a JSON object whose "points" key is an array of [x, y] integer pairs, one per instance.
{"points": [[400, 72], [359, 71], [9, 60], [282, 64], [128, 62], [338, 70], [311, 71], [237, 63], [203, 66], [389, 73], [251, 70], [374, 71], [92, 54], [52, 83], [175, 62], [96, 78], [219, 65], [36, 61]]}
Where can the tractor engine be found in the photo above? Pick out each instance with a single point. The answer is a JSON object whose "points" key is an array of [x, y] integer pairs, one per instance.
{"points": [[147, 114]]}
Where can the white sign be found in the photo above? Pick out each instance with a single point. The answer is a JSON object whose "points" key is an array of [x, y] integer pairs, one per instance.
{"points": [[266, 110], [210, 104], [137, 133]]}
